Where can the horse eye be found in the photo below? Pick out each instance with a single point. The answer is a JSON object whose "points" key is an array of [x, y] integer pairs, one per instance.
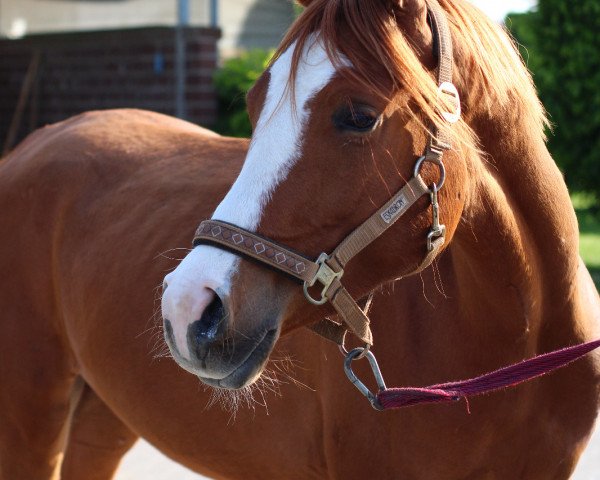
{"points": [[356, 118]]}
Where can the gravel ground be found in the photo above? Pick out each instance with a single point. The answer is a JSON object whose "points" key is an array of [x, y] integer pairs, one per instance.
{"points": [[145, 462]]}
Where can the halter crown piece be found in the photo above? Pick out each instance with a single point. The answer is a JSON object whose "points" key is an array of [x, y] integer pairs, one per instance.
{"points": [[328, 269]]}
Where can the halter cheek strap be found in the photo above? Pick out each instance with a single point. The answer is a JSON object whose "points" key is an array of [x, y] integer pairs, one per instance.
{"points": [[327, 271]]}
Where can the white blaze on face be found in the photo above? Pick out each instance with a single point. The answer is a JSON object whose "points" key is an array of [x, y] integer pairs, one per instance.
{"points": [[275, 146]]}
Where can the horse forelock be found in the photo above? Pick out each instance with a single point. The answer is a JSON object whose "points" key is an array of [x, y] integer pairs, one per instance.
{"points": [[386, 61]]}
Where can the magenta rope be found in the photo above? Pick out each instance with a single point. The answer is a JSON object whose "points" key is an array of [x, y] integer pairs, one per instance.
{"points": [[499, 379]]}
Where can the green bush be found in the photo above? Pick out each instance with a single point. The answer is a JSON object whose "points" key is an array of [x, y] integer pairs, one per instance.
{"points": [[232, 81], [561, 44]]}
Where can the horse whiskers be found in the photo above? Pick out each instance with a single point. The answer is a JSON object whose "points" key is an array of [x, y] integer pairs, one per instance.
{"points": [[159, 347], [437, 278], [235, 330], [155, 322], [161, 351], [154, 329], [232, 400], [178, 249], [285, 367], [424, 290], [269, 382]]}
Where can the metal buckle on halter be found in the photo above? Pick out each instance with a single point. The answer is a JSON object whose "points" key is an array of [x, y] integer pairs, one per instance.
{"points": [[325, 276], [437, 229], [450, 90]]}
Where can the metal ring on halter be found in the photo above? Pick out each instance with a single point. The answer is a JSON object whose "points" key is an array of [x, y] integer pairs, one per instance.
{"points": [[362, 388], [440, 165], [345, 351]]}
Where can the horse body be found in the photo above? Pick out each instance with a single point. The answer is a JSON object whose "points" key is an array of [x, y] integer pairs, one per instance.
{"points": [[66, 320], [88, 207]]}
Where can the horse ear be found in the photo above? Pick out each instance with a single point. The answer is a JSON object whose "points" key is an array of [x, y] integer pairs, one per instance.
{"points": [[304, 3]]}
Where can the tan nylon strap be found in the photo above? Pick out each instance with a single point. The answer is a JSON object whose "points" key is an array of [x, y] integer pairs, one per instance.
{"points": [[349, 312], [352, 315], [252, 245], [330, 330], [378, 223], [300, 267], [441, 32], [437, 245], [255, 246]]}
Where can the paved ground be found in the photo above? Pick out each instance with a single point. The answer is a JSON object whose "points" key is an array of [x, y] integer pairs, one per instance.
{"points": [[589, 465], [144, 462]]}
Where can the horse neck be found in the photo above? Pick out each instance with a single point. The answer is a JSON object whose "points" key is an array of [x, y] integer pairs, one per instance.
{"points": [[517, 242]]}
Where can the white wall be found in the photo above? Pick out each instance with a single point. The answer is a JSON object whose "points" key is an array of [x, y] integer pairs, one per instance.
{"points": [[245, 23]]}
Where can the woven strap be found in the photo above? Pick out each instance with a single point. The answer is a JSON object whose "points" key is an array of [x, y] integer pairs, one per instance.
{"points": [[260, 248], [441, 33], [497, 380], [379, 222]]}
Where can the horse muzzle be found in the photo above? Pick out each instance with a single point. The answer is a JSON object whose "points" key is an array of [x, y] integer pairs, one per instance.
{"points": [[218, 352]]}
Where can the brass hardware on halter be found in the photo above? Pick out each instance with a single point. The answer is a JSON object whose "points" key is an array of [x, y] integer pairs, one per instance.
{"points": [[325, 276]]}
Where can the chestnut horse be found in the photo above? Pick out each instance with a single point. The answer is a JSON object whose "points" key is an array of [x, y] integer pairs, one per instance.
{"points": [[93, 207]]}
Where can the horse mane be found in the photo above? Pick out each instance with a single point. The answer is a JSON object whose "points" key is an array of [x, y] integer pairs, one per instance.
{"points": [[484, 54]]}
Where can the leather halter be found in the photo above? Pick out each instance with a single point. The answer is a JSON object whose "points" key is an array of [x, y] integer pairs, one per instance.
{"points": [[328, 270]]}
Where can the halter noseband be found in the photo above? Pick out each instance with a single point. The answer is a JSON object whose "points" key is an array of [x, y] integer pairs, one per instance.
{"points": [[328, 270]]}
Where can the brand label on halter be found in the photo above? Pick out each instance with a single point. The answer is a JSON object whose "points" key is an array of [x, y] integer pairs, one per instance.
{"points": [[394, 209]]}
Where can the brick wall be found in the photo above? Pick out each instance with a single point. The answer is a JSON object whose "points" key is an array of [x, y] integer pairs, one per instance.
{"points": [[82, 71]]}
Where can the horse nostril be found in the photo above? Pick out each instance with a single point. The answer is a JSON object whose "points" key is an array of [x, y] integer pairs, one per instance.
{"points": [[207, 328]]}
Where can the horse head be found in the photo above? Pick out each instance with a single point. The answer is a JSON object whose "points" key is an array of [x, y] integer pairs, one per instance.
{"points": [[340, 118]]}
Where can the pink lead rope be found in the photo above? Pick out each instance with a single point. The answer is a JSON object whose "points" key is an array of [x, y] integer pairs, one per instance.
{"points": [[510, 376]]}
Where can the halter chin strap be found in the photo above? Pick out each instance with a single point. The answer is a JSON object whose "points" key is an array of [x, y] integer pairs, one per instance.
{"points": [[328, 270]]}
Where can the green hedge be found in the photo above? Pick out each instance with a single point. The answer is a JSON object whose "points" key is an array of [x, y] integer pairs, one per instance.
{"points": [[561, 44], [232, 81]]}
